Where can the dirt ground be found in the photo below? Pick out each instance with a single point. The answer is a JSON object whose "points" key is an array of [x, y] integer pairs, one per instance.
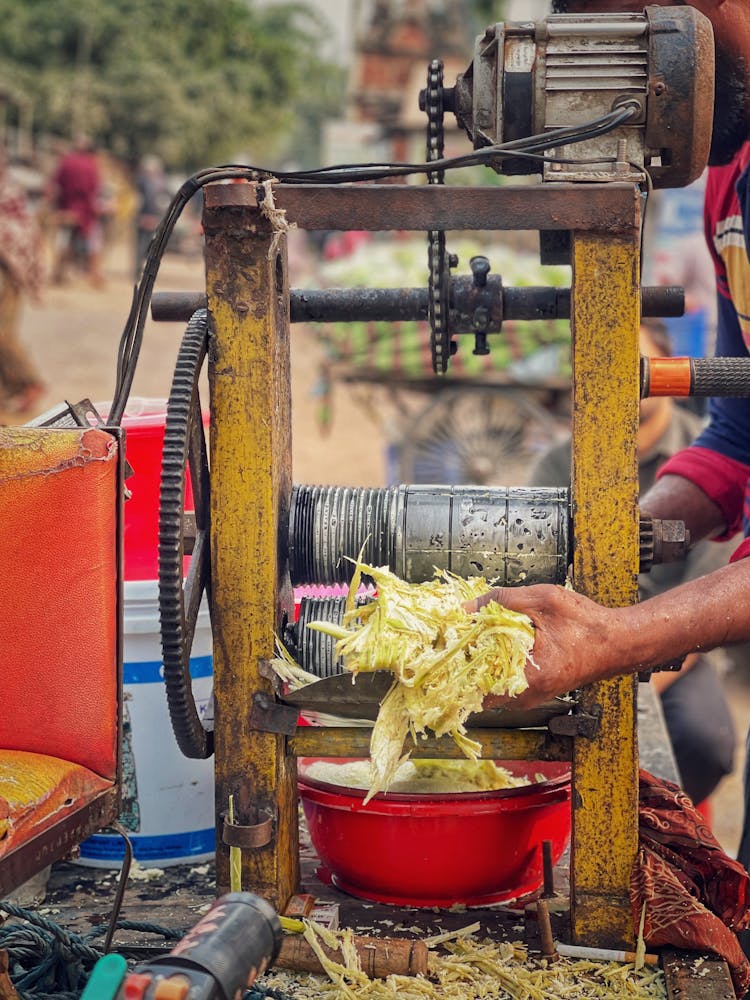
{"points": [[73, 336]]}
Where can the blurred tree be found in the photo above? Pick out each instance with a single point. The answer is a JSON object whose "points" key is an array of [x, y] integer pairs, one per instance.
{"points": [[192, 82], [484, 12]]}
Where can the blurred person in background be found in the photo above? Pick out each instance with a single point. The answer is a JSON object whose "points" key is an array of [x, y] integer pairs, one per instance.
{"points": [[75, 192], [152, 189], [695, 708], [20, 276]]}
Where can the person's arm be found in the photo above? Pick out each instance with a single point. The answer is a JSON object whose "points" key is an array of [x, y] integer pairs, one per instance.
{"points": [[578, 641], [704, 485], [672, 496]]}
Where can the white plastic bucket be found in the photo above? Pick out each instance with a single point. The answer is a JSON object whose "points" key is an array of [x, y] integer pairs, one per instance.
{"points": [[168, 799]]}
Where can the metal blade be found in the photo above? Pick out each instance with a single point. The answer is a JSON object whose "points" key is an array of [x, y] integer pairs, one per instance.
{"points": [[360, 698], [343, 695]]}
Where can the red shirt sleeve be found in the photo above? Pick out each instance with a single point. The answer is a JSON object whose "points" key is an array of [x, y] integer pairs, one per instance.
{"points": [[724, 480], [742, 551]]}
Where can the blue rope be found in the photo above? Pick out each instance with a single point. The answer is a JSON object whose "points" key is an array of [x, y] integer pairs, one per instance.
{"points": [[138, 925], [45, 960]]}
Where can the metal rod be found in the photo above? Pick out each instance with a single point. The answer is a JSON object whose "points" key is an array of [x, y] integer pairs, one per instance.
{"points": [[545, 931], [548, 869], [340, 305]]}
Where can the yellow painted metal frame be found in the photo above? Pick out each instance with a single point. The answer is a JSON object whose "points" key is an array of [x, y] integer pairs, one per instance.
{"points": [[605, 320], [248, 298], [250, 455]]}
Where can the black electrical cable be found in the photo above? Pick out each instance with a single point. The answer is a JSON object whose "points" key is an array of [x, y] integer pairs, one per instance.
{"points": [[531, 147]]}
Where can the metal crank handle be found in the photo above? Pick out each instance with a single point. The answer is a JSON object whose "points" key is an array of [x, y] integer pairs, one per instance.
{"points": [[695, 377]]}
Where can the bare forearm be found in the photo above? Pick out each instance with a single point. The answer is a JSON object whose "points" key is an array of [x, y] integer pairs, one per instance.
{"points": [[673, 497], [702, 614], [578, 641]]}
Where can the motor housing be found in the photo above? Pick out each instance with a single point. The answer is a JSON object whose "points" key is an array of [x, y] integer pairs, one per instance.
{"points": [[530, 77]]}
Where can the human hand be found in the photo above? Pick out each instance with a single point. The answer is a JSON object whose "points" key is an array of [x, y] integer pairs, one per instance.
{"points": [[575, 640]]}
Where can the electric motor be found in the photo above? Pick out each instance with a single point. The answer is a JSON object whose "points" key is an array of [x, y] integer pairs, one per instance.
{"points": [[529, 78]]}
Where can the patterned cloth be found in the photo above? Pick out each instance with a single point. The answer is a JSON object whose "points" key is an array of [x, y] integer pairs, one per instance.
{"points": [[20, 274], [20, 239], [696, 897]]}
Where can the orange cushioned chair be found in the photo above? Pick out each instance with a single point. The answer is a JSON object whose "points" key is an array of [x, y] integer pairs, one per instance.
{"points": [[60, 643]]}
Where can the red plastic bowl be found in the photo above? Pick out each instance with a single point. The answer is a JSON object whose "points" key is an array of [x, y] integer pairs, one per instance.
{"points": [[412, 849]]}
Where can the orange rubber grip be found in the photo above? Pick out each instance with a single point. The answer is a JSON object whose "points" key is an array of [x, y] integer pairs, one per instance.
{"points": [[670, 377]]}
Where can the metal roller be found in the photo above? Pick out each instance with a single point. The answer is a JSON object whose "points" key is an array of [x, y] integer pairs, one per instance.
{"points": [[508, 536], [315, 651]]}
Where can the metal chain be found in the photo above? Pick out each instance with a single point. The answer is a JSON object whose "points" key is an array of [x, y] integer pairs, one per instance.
{"points": [[439, 271]]}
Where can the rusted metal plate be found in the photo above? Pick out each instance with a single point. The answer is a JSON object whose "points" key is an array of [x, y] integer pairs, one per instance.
{"points": [[338, 696], [497, 744], [690, 976], [654, 746], [608, 208], [40, 851], [269, 716]]}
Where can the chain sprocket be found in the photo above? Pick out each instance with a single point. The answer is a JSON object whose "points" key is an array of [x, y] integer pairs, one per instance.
{"points": [[179, 603], [437, 258]]}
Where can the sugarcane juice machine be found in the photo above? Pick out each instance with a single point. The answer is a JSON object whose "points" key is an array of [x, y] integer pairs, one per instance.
{"points": [[603, 108]]}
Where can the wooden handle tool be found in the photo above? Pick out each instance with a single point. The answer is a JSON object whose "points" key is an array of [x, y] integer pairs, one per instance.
{"points": [[380, 957]]}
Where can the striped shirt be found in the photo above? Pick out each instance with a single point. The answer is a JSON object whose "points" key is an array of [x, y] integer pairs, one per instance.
{"points": [[719, 460]]}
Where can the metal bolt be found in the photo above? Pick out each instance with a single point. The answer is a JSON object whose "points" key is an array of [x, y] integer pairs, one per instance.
{"points": [[480, 268], [480, 344]]}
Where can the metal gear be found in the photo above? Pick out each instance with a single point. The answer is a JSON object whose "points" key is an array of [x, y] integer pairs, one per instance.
{"points": [[179, 603], [438, 261]]}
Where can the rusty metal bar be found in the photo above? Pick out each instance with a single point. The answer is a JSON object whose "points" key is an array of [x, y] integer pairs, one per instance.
{"points": [[606, 208], [340, 305], [497, 744], [605, 503], [251, 480]]}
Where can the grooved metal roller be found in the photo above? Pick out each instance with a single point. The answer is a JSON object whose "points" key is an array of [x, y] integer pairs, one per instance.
{"points": [[510, 536]]}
